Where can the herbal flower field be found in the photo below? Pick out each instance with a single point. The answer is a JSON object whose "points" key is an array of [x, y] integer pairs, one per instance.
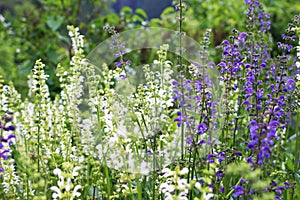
{"points": [[180, 126]]}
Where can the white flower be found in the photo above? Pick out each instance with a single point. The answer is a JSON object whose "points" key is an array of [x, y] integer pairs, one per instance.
{"points": [[167, 172], [208, 196], [182, 184], [183, 195], [197, 185], [184, 171], [75, 173], [57, 192], [168, 196], [165, 187], [75, 193], [68, 185], [57, 172]]}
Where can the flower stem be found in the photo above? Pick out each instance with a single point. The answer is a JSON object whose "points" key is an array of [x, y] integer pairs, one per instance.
{"points": [[297, 147]]}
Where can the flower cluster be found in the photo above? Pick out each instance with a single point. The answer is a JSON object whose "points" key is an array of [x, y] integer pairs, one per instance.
{"points": [[175, 185], [256, 83], [196, 101], [66, 188], [119, 47], [257, 16], [6, 138]]}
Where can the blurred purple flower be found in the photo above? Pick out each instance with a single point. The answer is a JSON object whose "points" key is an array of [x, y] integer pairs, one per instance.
{"points": [[238, 191], [201, 128]]}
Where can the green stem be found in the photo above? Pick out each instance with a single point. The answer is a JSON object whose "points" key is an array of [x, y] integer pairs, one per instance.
{"points": [[108, 185], [297, 147], [154, 173], [130, 187], [38, 144], [139, 189]]}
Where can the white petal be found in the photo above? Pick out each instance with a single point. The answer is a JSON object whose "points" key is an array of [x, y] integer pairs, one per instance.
{"points": [[75, 173], [57, 194], [184, 171], [57, 171], [75, 193]]}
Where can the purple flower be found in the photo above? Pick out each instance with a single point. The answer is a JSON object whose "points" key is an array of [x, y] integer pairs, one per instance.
{"points": [[201, 128], [287, 185], [4, 155], [260, 93], [249, 160], [274, 183], [238, 191], [248, 2], [249, 105], [279, 189], [221, 156], [201, 182], [210, 158], [290, 84], [238, 153], [201, 142], [6, 141], [7, 118], [251, 192], [242, 37], [189, 140], [11, 128], [219, 174], [118, 64], [179, 119]]}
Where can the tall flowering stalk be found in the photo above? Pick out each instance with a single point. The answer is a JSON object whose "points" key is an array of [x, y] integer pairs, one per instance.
{"points": [[196, 115], [249, 61], [257, 88]]}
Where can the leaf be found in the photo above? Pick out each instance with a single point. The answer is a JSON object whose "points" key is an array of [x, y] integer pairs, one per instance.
{"points": [[290, 165], [141, 13], [137, 18], [54, 22], [155, 22], [168, 11], [126, 10]]}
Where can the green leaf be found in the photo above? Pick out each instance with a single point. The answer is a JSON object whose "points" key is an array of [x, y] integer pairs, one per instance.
{"points": [[54, 22], [141, 12], [290, 165], [126, 10], [137, 18], [155, 22], [168, 11]]}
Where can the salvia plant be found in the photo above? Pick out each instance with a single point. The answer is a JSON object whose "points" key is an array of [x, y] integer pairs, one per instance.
{"points": [[181, 133]]}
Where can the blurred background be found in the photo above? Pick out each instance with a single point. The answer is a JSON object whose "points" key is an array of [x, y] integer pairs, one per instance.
{"points": [[33, 29]]}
